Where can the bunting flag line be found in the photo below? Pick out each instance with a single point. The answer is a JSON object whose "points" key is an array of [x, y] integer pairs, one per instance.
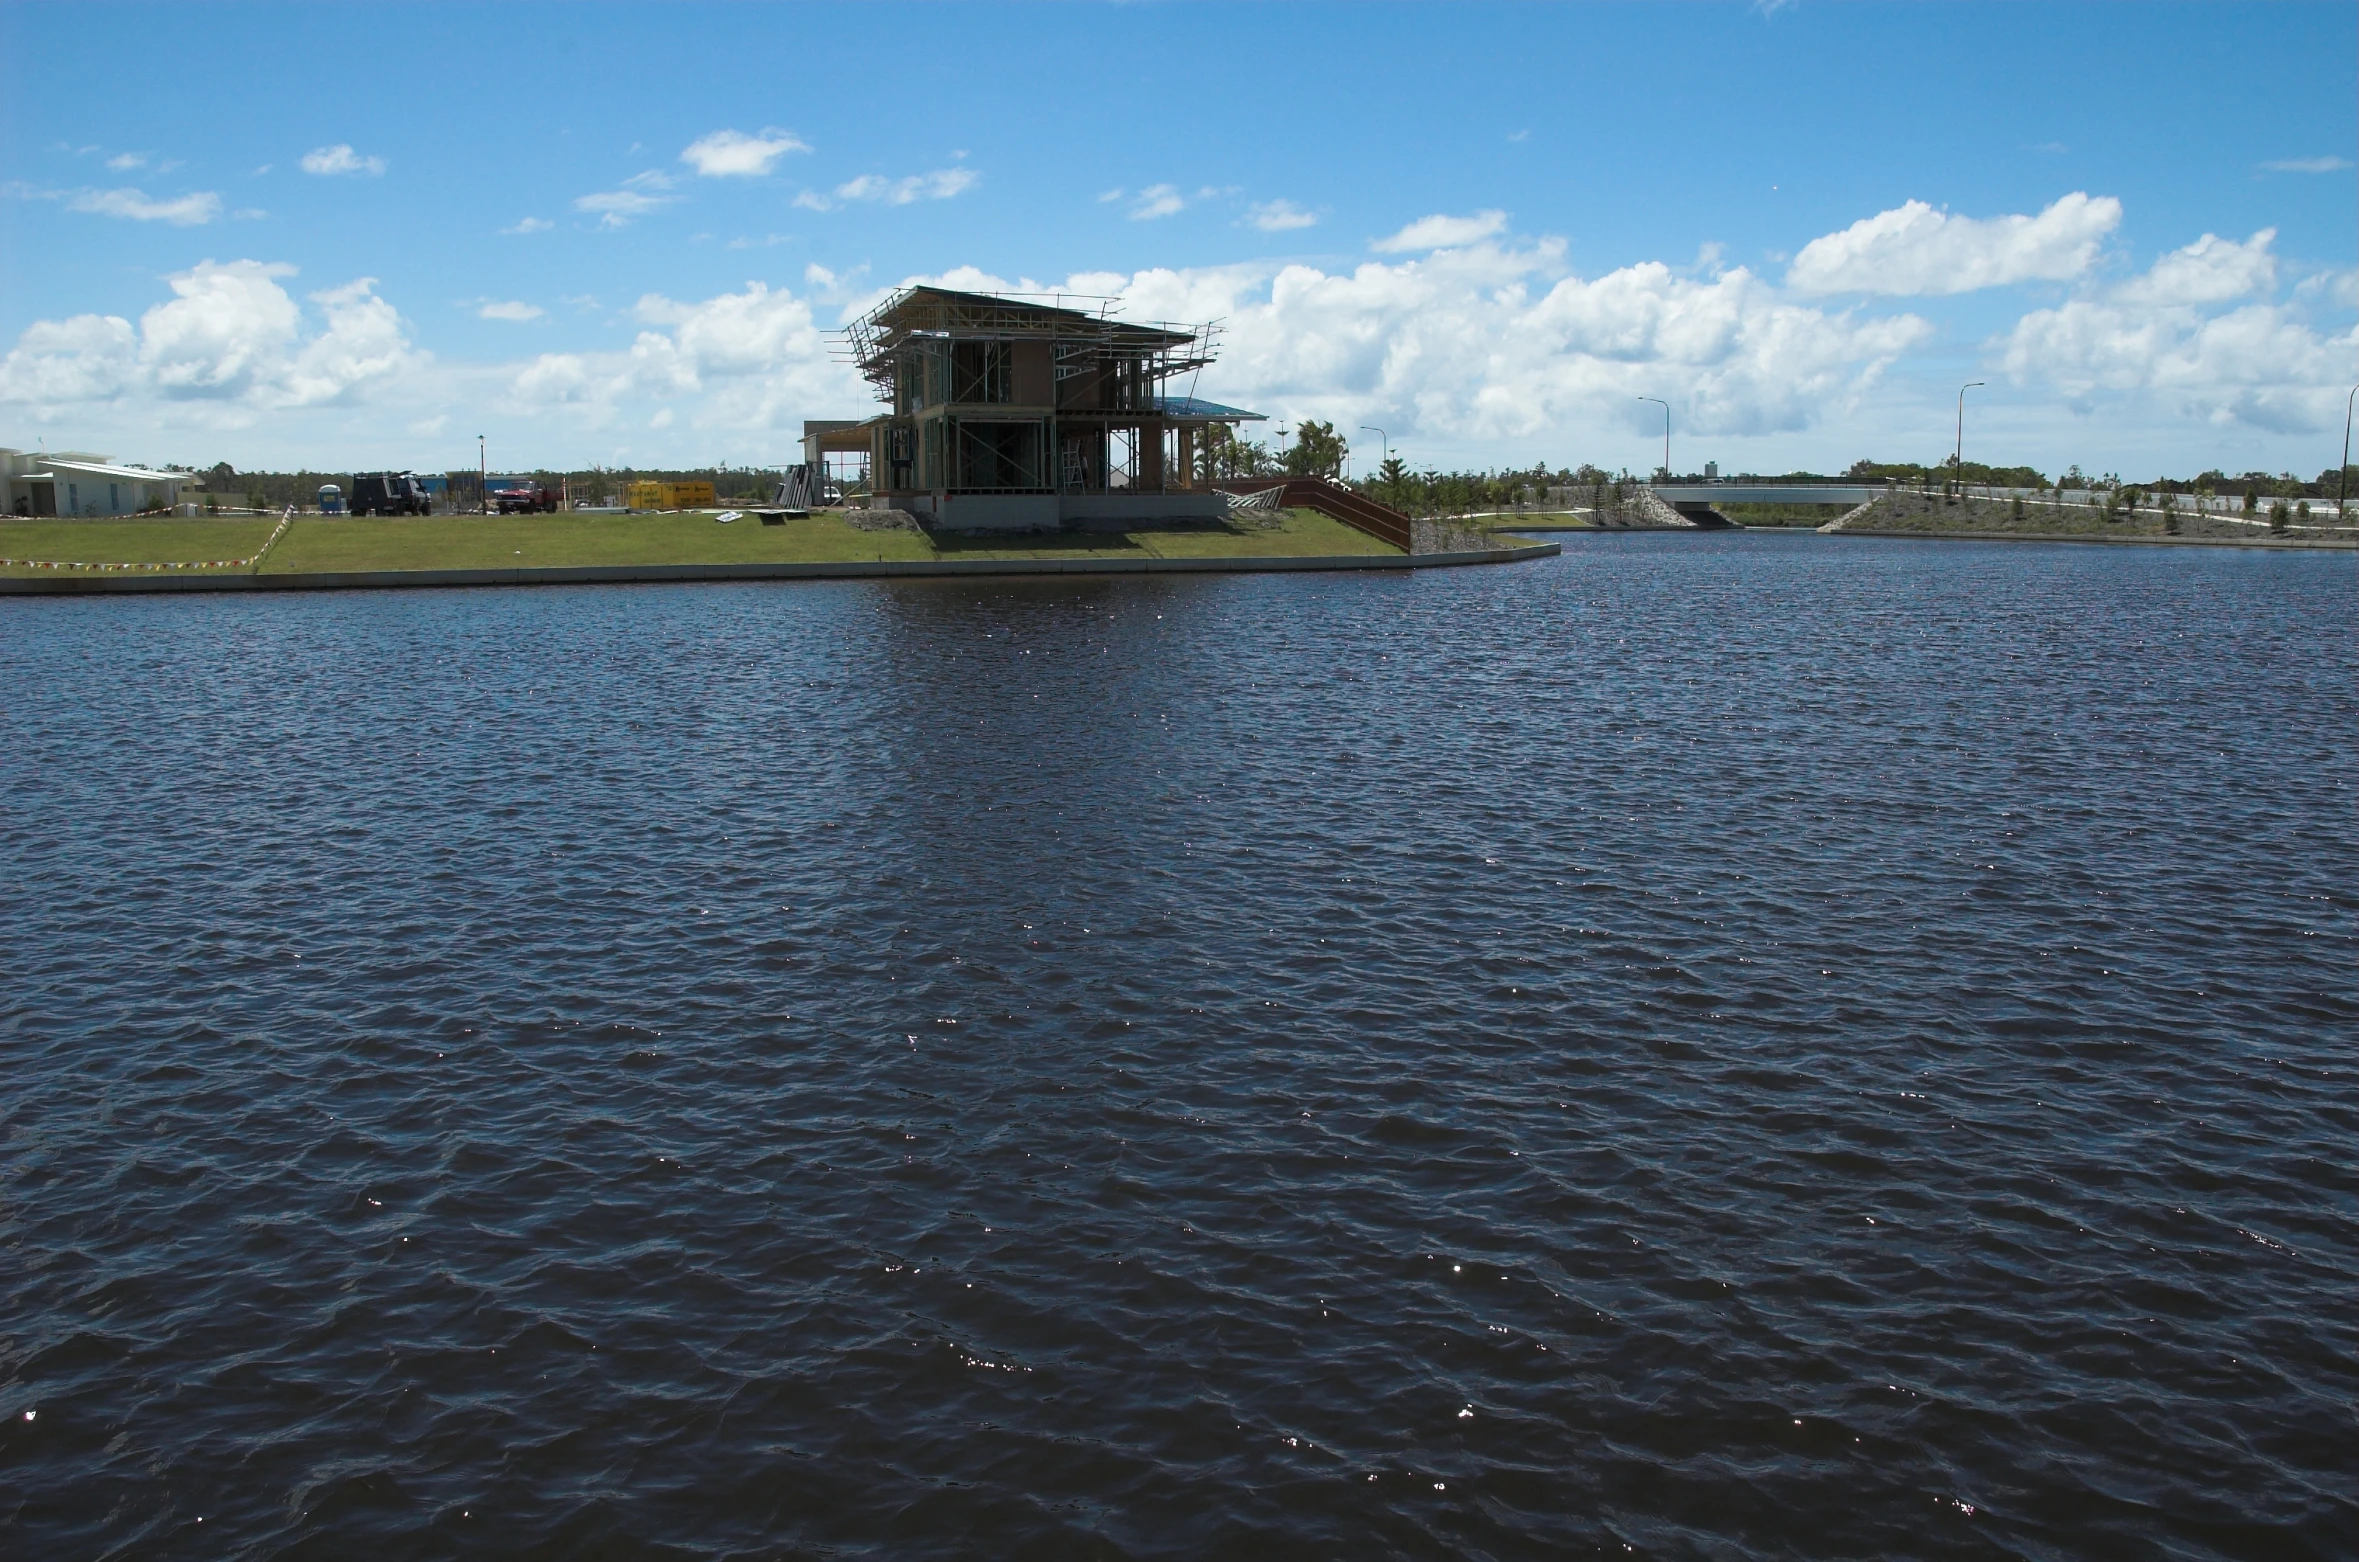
{"points": [[245, 563]]}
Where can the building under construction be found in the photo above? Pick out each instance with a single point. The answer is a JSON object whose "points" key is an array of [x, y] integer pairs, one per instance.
{"points": [[1011, 414]]}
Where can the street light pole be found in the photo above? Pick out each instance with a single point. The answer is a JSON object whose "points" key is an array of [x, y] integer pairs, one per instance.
{"points": [[1370, 428], [2342, 487], [1957, 460], [1666, 406], [482, 477]]}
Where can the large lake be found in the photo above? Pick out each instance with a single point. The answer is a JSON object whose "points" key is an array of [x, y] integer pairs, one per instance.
{"points": [[1707, 1046]]}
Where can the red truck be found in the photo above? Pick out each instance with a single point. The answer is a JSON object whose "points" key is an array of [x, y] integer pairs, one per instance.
{"points": [[523, 496]]}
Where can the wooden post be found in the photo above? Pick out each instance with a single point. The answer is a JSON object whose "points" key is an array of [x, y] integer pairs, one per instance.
{"points": [[1150, 476]]}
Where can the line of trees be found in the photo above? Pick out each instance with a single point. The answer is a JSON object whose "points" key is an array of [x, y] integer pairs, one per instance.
{"points": [[1318, 450], [2255, 487], [227, 488]]}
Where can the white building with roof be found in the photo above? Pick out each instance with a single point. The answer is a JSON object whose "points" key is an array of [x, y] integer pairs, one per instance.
{"points": [[76, 483]]}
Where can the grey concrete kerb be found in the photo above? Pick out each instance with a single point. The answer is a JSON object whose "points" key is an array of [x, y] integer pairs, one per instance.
{"points": [[620, 574], [2309, 544]]}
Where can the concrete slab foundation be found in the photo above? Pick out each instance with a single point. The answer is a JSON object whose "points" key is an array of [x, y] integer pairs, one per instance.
{"points": [[1057, 512]]}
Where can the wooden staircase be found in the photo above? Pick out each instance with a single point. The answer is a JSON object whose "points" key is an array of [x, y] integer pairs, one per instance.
{"points": [[1329, 498]]}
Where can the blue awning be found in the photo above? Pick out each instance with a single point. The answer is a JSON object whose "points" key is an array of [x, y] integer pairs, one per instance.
{"points": [[1213, 411]]}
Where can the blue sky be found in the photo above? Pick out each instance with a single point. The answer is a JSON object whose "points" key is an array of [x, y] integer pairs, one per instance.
{"points": [[347, 235]]}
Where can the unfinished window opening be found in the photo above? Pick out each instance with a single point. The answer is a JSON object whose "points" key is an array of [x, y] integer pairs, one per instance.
{"points": [[999, 456], [901, 454], [981, 371], [909, 382], [925, 380], [846, 469], [1122, 458], [1133, 387]]}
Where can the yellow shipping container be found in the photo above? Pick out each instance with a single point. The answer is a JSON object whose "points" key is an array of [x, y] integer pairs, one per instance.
{"points": [[668, 496]]}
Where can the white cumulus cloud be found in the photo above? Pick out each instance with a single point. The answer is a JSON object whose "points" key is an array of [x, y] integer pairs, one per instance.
{"points": [[62, 362], [531, 225], [1486, 347], [1468, 346], [2212, 270], [750, 360], [939, 185], [225, 324], [1157, 200], [2199, 335], [186, 211], [363, 343], [230, 336], [614, 208], [1440, 232], [1915, 251], [734, 154], [1279, 216], [340, 159]]}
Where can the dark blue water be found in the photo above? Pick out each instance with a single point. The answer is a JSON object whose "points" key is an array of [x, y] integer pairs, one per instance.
{"points": [[1702, 1048]]}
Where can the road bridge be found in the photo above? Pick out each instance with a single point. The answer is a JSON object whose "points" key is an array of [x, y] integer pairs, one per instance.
{"points": [[1766, 493], [1700, 502]]}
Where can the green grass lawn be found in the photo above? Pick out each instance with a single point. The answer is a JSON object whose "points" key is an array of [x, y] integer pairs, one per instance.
{"points": [[129, 541], [519, 541], [344, 544], [1908, 511]]}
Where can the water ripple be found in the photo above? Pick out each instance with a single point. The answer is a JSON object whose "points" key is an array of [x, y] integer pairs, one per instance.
{"points": [[1715, 1046]]}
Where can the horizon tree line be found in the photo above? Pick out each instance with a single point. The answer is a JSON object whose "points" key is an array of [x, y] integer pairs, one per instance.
{"points": [[1319, 450]]}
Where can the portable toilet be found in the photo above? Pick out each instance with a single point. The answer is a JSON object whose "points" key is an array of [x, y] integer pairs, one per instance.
{"points": [[331, 499]]}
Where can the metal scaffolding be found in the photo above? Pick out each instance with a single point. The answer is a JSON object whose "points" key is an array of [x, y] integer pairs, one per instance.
{"points": [[889, 342], [1044, 395]]}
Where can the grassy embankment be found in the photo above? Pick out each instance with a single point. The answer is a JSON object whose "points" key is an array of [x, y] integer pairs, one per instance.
{"points": [[1916, 512], [133, 542], [343, 544]]}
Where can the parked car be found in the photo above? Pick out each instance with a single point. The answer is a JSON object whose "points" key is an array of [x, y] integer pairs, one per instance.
{"points": [[389, 493]]}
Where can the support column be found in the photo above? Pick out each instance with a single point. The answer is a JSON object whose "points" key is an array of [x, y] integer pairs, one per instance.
{"points": [[1151, 456]]}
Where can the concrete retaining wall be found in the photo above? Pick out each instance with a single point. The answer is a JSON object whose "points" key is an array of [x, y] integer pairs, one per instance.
{"points": [[2312, 544], [618, 574]]}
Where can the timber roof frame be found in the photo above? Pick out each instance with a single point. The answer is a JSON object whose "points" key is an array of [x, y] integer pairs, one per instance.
{"points": [[874, 342]]}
